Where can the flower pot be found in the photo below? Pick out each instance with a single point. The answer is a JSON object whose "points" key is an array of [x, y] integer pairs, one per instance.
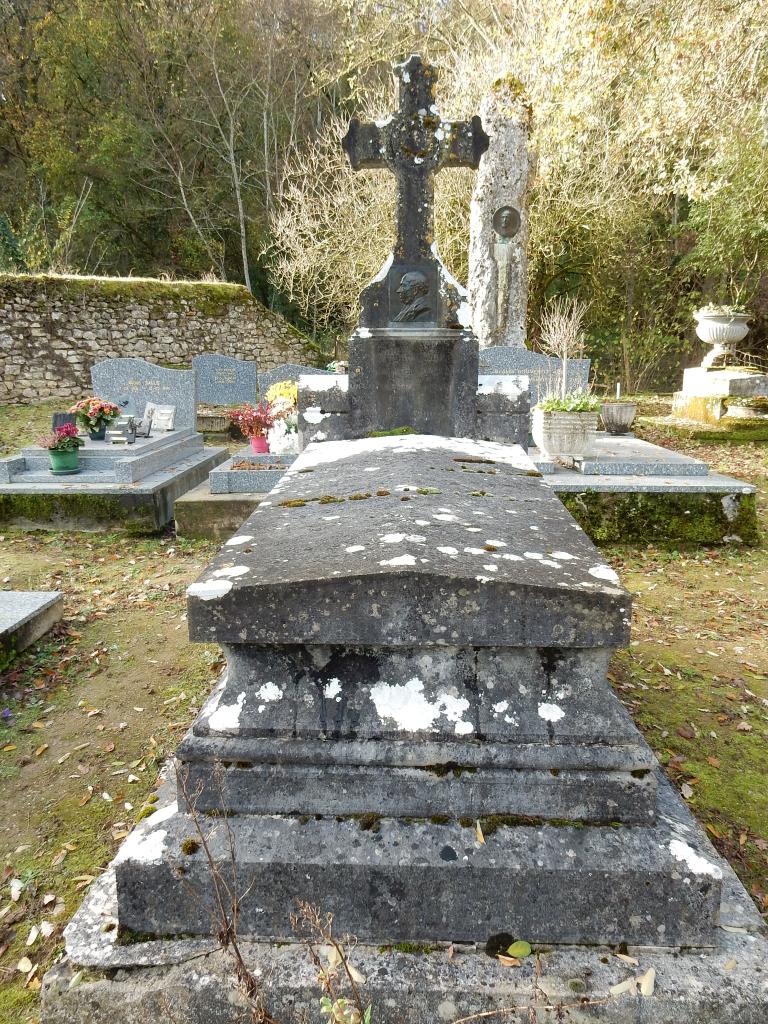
{"points": [[617, 417], [721, 328], [64, 462], [259, 445], [564, 435], [98, 433]]}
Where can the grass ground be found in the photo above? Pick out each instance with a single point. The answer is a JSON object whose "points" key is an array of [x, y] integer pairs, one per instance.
{"points": [[88, 715]]}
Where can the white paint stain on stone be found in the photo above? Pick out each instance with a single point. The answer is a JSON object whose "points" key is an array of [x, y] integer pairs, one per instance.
{"points": [[603, 572], [314, 414], [332, 689], [551, 712], [533, 554], [231, 571], [398, 538], [400, 560], [209, 590], [564, 556], [445, 517], [354, 547], [501, 707], [227, 716], [407, 706], [268, 692], [513, 558], [449, 551], [694, 861], [244, 538]]}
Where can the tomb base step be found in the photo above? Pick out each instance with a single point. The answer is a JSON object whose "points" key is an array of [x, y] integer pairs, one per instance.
{"points": [[723, 986], [392, 881], [592, 796], [108, 980]]}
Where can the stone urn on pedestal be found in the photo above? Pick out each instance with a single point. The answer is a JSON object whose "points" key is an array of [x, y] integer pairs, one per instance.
{"points": [[722, 327]]}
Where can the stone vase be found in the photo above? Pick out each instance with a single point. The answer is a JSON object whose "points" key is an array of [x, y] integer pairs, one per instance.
{"points": [[564, 435], [63, 463], [259, 445], [618, 417], [723, 331]]}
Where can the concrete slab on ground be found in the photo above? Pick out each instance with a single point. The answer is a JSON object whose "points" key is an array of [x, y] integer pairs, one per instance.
{"points": [[25, 616]]}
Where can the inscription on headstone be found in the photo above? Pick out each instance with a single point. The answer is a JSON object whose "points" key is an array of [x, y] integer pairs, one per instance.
{"points": [[223, 380]]}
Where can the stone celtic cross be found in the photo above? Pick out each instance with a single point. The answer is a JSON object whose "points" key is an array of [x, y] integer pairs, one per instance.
{"points": [[413, 143]]}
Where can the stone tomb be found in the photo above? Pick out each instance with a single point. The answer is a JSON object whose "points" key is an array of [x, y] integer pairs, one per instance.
{"points": [[327, 411], [287, 371], [134, 485], [417, 636], [224, 380]]}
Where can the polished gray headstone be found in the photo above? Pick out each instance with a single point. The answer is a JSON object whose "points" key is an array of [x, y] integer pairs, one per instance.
{"points": [[223, 380], [138, 382]]}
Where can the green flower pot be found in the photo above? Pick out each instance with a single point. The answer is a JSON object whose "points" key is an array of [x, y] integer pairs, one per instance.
{"points": [[64, 463]]}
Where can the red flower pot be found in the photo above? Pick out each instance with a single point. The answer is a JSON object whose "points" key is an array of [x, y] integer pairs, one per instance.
{"points": [[259, 445]]}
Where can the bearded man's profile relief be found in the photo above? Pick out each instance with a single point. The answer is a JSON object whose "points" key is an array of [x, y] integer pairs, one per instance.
{"points": [[412, 291]]}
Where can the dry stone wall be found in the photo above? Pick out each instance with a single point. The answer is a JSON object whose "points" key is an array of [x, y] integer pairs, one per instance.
{"points": [[53, 329]]}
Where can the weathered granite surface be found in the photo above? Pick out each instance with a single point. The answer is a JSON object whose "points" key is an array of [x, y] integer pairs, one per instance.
{"points": [[25, 616], [138, 382], [544, 372], [266, 472], [470, 525], [224, 380]]}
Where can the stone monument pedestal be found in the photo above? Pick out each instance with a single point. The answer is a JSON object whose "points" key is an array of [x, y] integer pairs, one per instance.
{"points": [[413, 377], [415, 732]]}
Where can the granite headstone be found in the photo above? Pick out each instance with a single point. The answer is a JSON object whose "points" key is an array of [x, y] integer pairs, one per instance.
{"points": [[131, 383], [285, 371], [223, 380], [544, 372]]}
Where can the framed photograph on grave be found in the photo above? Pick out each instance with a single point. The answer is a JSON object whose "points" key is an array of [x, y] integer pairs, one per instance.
{"points": [[162, 416]]}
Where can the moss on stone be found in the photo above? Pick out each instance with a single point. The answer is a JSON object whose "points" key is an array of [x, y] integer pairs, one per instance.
{"points": [[53, 511], [663, 519], [211, 299]]}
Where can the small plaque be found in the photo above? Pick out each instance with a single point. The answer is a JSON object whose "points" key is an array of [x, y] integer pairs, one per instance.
{"points": [[162, 416], [506, 221]]}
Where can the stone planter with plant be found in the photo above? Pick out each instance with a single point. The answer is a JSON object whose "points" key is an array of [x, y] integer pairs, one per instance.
{"points": [[565, 427], [63, 446]]}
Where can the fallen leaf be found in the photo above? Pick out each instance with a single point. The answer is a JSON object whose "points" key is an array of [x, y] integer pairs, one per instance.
{"points": [[41, 749], [628, 985], [686, 790], [713, 761], [479, 833], [626, 959], [519, 949], [508, 961], [729, 965], [647, 982], [743, 727], [16, 889], [686, 732], [24, 966]]}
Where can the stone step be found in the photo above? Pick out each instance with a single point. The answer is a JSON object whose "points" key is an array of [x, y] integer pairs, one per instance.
{"points": [[390, 881], [591, 796]]}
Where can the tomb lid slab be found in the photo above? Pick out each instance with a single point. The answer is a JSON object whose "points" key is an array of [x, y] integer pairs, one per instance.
{"points": [[399, 541]]}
